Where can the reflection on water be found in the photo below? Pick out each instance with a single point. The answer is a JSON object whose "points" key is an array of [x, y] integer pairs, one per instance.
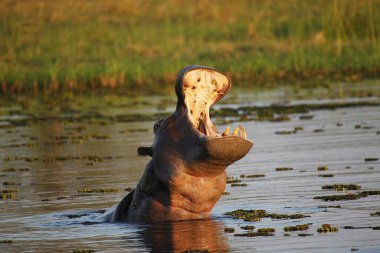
{"points": [[179, 236], [48, 162], [42, 231]]}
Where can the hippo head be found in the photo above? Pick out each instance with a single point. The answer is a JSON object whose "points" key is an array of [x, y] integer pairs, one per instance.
{"points": [[187, 141]]}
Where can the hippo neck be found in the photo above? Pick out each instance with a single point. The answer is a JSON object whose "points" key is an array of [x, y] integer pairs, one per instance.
{"points": [[179, 197]]}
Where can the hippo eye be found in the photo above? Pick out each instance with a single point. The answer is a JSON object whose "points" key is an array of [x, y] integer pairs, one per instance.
{"points": [[157, 125]]}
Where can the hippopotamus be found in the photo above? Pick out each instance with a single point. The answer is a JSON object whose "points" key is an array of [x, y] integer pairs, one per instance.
{"points": [[187, 173]]}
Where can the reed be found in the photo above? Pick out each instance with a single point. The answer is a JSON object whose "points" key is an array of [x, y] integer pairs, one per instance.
{"points": [[138, 46]]}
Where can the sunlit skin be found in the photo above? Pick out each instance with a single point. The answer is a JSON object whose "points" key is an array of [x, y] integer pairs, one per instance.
{"points": [[186, 175]]}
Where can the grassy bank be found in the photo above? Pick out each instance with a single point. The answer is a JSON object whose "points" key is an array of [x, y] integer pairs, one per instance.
{"points": [[138, 46]]}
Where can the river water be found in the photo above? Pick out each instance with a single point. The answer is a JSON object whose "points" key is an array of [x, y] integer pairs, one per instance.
{"points": [[51, 162]]}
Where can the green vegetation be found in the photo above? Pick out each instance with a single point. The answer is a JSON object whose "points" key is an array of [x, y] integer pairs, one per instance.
{"points": [[362, 227], [348, 196], [91, 190], [304, 235], [266, 230], [326, 175], [235, 185], [331, 206], [48, 159], [322, 168], [283, 169], [286, 132], [371, 159], [327, 228], [297, 227], [134, 47], [231, 181], [256, 215], [7, 196], [248, 227], [341, 187], [6, 241], [83, 251], [229, 230], [252, 176], [260, 232]]}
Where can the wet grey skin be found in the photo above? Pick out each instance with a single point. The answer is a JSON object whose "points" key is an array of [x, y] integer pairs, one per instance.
{"points": [[187, 173]]}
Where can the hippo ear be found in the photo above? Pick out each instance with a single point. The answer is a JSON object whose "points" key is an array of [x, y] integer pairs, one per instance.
{"points": [[226, 150]]}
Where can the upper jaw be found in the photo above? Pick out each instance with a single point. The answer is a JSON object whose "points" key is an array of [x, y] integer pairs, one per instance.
{"points": [[198, 88]]}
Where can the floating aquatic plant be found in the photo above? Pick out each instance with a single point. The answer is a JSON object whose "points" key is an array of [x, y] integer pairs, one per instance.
{"points": [[348, 196], [229, 230], [91, 190], [342, 187], [235, 185], [248, 227], [252, 176], [283, 169], [297, 228], [327, 228], [322, 168], [256, 215]]}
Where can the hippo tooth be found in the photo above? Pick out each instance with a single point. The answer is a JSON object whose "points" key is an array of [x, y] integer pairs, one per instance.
{"points": [[206, 131], [242, 131], [236, 130], [225, 133]]}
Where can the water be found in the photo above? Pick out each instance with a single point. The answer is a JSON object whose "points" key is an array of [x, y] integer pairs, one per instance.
{"points": [[49, 214]]}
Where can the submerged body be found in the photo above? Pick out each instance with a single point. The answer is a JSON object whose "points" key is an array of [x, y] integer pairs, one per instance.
{"points": [[187, 173]]}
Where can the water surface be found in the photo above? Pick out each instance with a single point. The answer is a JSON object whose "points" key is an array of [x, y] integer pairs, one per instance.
{"points": [[52, 161]]}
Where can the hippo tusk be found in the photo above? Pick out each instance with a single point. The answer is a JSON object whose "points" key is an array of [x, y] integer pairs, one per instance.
{"points": [[242, 132], [225, 133]]}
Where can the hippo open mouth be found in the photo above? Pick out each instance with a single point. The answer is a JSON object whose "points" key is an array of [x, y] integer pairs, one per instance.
{"points": [[187, 172], [198, 90]]}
